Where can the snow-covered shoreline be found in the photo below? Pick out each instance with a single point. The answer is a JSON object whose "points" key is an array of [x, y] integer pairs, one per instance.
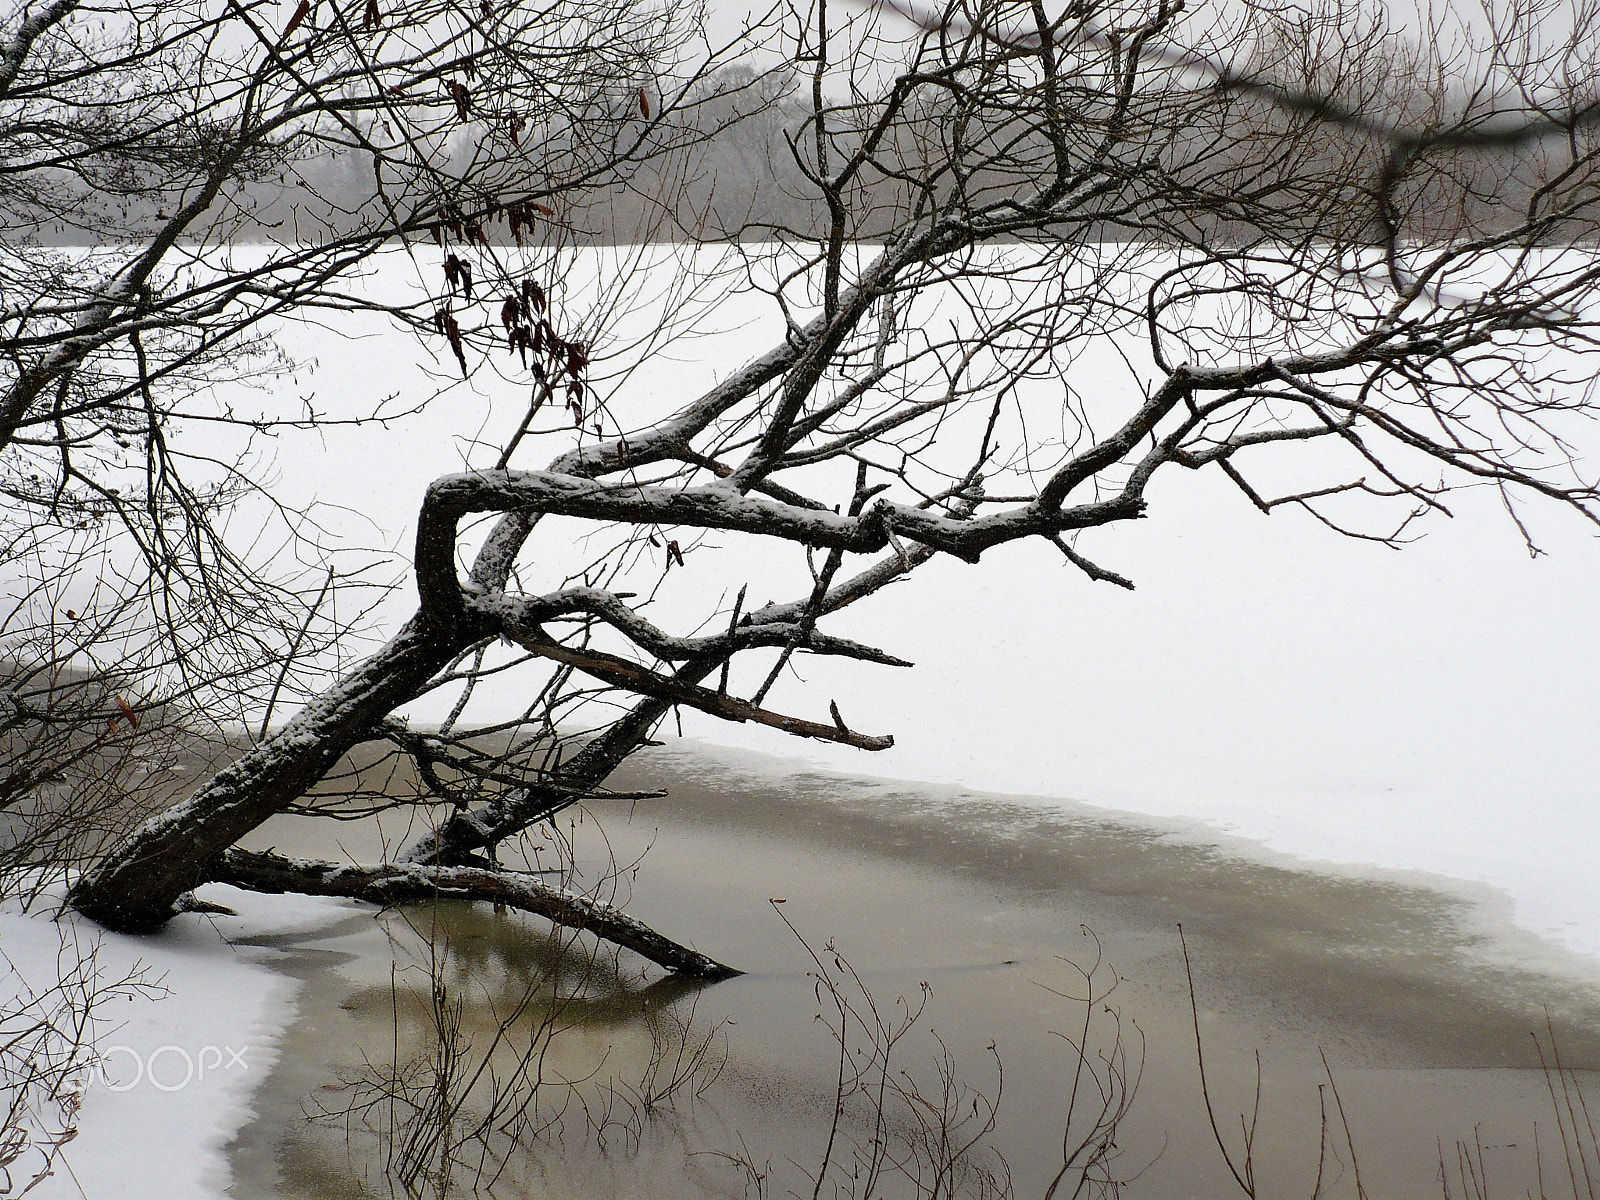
{"points": [[175, 1071], [178, 1072], [1527, 909]]}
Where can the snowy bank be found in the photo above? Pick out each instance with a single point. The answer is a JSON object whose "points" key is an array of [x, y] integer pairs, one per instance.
{"points": [[170, 1079]]}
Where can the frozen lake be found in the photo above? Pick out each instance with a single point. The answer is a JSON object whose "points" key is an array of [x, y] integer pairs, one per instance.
{"points": [[1269, 688], [1434, 709]]}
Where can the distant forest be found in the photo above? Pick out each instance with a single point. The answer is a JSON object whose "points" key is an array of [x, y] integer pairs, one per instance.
{"points": [[721, 168], [731, 162]]}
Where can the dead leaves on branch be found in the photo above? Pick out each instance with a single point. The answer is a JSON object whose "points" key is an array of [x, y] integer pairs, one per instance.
{"points": [[556, 363], [518, 215], [451, 328], [542, 351], [459, 274], [301, 11], [674, 551], [127, 711], [523, 314]]}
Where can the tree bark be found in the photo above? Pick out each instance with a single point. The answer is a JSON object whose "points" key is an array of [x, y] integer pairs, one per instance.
{"points": [[136, 888], [398, 883]]}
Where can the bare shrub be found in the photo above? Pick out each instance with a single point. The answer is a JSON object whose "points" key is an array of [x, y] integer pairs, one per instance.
{"points": [[48, 1054], [907, 1122]]}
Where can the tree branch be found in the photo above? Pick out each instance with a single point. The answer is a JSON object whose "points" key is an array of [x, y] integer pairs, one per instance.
{"points": [[634, 678], [407, 883]]}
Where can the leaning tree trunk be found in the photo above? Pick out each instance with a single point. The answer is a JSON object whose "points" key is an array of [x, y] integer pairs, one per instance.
{"points": [[136, 888], [141, 883]]}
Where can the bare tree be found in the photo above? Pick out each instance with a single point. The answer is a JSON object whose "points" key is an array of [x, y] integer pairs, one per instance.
{"points": [[1062, 249], [173, 179]]}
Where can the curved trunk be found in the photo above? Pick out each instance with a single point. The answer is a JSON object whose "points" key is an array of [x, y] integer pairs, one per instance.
{"points": [[134, 889]]}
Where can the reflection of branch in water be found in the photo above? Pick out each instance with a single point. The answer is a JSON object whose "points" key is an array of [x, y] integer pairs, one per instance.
{"points": [[480, 1076], [506, 958], [685, 1059]]}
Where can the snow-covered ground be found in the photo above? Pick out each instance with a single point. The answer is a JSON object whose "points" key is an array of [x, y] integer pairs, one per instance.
{"points": [[175, 1061]]}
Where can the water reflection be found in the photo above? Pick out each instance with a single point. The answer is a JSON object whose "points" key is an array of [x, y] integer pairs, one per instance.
{"points": [[468, 1050], [397, 1012]]}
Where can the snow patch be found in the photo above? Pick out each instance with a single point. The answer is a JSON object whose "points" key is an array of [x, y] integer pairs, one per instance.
{"points": [[175, 1071]]}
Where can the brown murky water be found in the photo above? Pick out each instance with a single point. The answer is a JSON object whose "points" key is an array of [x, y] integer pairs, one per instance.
{"points": [[1425, 1027]]}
